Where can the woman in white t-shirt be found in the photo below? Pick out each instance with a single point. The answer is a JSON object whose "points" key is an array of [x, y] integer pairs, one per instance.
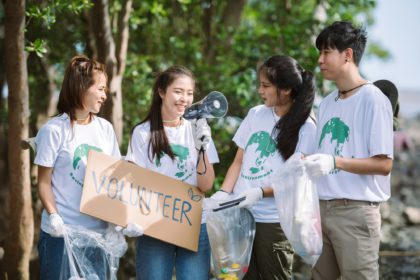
{"points": [[62, 146], [267, 137], [168, 144]]}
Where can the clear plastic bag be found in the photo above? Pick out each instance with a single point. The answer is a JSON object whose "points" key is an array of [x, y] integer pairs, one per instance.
{"points": [[231, 232], [91, 255], [298, 207]]}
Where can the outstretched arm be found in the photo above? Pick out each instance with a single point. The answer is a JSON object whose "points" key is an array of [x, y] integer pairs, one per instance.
{"points": [[377, 165], [323, 164], [233, 172]]}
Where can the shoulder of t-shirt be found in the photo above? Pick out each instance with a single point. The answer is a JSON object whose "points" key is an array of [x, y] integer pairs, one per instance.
{"points": [[257, 110], [141, 131], [53, 130], [103, 122], [308, 125], [105, 125], [331, 96], [143, 127], [186, 122], [374, 96], [310, 122], [56, 124]]}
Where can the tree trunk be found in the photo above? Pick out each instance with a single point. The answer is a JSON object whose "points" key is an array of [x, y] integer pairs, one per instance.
{"points": [[113, 55], [21, 229], [51, 107], [231, 17]]}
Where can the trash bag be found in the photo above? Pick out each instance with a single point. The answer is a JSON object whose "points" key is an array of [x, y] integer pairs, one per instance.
{"points": [[91, 255], [298, 207], [231, 232]]}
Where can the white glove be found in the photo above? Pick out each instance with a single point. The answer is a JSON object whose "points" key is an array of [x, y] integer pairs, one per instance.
{"points": [[252, 196], [319, 164], [56, 225], [131, 230], [221, 195], [201, 133]]}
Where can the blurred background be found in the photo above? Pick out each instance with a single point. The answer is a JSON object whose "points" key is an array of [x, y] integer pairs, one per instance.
{"points": [[221, 42]]}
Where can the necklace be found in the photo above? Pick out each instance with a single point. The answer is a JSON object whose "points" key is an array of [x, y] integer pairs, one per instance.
{"points": [[171, 121], [340, 92], [80, 120]]}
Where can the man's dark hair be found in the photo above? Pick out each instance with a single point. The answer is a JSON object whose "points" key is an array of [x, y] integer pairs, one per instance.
{"points": [[342, 35]]}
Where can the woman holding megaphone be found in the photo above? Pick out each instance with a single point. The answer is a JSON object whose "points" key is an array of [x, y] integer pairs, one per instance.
{"points": [[266, 138], [167, 143]]}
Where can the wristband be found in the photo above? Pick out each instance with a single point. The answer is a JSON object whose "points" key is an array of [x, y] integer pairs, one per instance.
{"points": [[262, 190], [335, 166]]}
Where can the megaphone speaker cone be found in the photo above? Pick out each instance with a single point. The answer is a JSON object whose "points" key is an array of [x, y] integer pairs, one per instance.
{"points": [[214, 105]]}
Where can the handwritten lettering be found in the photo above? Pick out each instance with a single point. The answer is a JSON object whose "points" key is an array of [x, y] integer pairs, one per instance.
{"points": [[165, 205]]}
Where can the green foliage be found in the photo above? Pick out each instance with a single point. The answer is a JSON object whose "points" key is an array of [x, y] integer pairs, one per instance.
{"points": [[38, 47], [202, 36], [48, 12]]}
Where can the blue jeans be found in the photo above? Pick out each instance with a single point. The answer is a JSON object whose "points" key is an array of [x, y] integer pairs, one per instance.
{"points": [[52, 259], [50, 250], [155, 259]]}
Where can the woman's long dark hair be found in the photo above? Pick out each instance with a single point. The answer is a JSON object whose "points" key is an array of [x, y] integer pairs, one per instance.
{"points": [[79, 77], [159, 142], [285, 73]]}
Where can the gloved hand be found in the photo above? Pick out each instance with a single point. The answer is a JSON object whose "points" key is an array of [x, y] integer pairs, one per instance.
{"points": [[252, 196], [131, 230], [201, 133], [319, 164], [221, 195], [56, 225]]}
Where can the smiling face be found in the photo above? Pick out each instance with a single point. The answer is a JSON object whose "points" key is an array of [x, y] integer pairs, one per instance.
{"points": [[95, 96], [177, 97]]}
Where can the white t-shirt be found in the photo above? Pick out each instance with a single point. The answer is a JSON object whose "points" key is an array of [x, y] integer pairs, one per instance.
{"points": [[65, 149], [261, 157], [181, 140], [359, 126]]}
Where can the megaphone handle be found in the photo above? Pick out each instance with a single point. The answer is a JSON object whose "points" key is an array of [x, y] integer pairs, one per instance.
{"points": [[201, 153]]}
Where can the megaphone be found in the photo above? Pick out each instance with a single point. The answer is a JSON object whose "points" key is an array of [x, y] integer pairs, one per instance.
{"points": [[214, 105]]}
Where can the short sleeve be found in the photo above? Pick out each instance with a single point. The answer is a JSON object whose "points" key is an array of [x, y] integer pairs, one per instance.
{"points": [[380, 130], [307, 138], [241, 135], [115, 149], [48, 142], [137, 148], [212, 153]]}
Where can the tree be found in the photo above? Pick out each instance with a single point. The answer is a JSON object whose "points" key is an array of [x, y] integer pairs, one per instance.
{"points": [[113, 53], [20, 233]]}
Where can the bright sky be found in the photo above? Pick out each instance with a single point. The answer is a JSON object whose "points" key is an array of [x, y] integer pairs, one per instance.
{"points": [[397, 29]]}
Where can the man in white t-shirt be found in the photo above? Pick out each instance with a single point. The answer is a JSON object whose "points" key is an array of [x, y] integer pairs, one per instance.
{"points": [[353, 159]]}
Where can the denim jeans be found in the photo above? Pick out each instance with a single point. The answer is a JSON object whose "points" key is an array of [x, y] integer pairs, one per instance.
{"points": [[54, 263], [50, 250], [155, 259]]}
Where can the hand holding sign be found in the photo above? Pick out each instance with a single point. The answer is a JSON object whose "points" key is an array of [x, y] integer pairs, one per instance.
{"points": [[131, 230]]}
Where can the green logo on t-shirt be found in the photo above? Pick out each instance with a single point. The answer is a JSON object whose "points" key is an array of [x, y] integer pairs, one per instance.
{"points": [[181, 155], [264, 147], [80, 153], [339, 132]]}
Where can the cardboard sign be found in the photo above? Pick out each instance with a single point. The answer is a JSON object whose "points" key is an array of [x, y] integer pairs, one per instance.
{"points": [[119, 192]]}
